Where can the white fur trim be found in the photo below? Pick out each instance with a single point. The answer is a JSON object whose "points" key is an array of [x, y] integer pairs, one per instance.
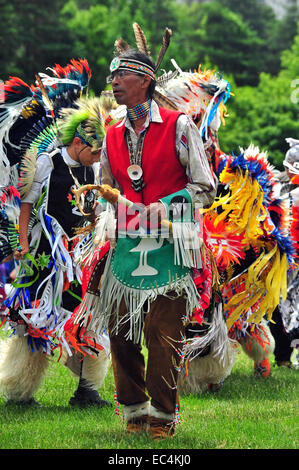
{"points": [[160, 414], [21, 370], [136, 411], [206, 370], [216, 336], [95, 369]]}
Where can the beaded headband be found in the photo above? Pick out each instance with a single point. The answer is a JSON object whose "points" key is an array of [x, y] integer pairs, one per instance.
{"points": [[132, 65]]}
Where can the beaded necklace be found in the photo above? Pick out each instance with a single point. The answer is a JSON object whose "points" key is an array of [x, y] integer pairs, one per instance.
{"points": [[135, 170], [139, 111]]}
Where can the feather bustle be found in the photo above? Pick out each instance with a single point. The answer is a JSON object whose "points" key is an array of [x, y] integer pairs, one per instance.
{"points": [[43, 91], [164, 101]]}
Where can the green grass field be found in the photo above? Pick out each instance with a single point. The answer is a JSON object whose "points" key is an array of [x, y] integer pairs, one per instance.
{"points": [[247, 413]]}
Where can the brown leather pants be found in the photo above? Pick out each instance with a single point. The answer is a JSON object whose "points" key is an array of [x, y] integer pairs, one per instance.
{"points": [[163, 332]]}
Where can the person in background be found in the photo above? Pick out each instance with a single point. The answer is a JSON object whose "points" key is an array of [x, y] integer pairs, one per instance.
{"points": [[285, 330]]}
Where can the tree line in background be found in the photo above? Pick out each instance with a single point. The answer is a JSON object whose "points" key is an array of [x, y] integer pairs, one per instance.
{"points": [[244, 41]]}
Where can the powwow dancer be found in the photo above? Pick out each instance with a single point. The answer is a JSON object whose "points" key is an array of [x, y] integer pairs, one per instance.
{"points": [[59, 149], [155, 158], [286, 315], [195, 98], [252, 286]]}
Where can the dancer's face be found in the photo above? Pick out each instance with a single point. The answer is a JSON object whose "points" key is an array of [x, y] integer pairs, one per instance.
{"points": [[80, 152], [129, 88]]}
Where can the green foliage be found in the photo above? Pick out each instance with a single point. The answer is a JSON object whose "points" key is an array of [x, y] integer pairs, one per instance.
{"points": [[221, 36], [256, 14], [34, 38], [276, 35], [96, 28], [89, 30], [8, 42], [289, 58], [267, 114]]}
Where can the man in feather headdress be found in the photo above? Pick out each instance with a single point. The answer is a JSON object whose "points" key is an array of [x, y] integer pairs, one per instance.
{"points": [[48, 286], [155, 157]]}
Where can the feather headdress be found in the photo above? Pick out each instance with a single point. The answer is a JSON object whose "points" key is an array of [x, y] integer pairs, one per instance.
{"points": [[165, 44], [142, 45], [200, 94], [141, 40], [121, 46], [31, 103], [86, 120]]}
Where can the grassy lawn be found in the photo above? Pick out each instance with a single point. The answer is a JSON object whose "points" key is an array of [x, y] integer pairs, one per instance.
{"points": [[247, 413]]}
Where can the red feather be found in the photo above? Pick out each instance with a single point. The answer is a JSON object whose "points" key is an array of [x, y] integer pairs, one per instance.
{"points": [[226, 246]]}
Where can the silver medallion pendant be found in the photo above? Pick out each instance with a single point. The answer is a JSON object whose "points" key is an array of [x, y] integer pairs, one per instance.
{"points": [[136, 176]]}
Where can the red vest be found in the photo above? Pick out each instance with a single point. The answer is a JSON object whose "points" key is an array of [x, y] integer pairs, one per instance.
{"points": [[163, 173]]}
